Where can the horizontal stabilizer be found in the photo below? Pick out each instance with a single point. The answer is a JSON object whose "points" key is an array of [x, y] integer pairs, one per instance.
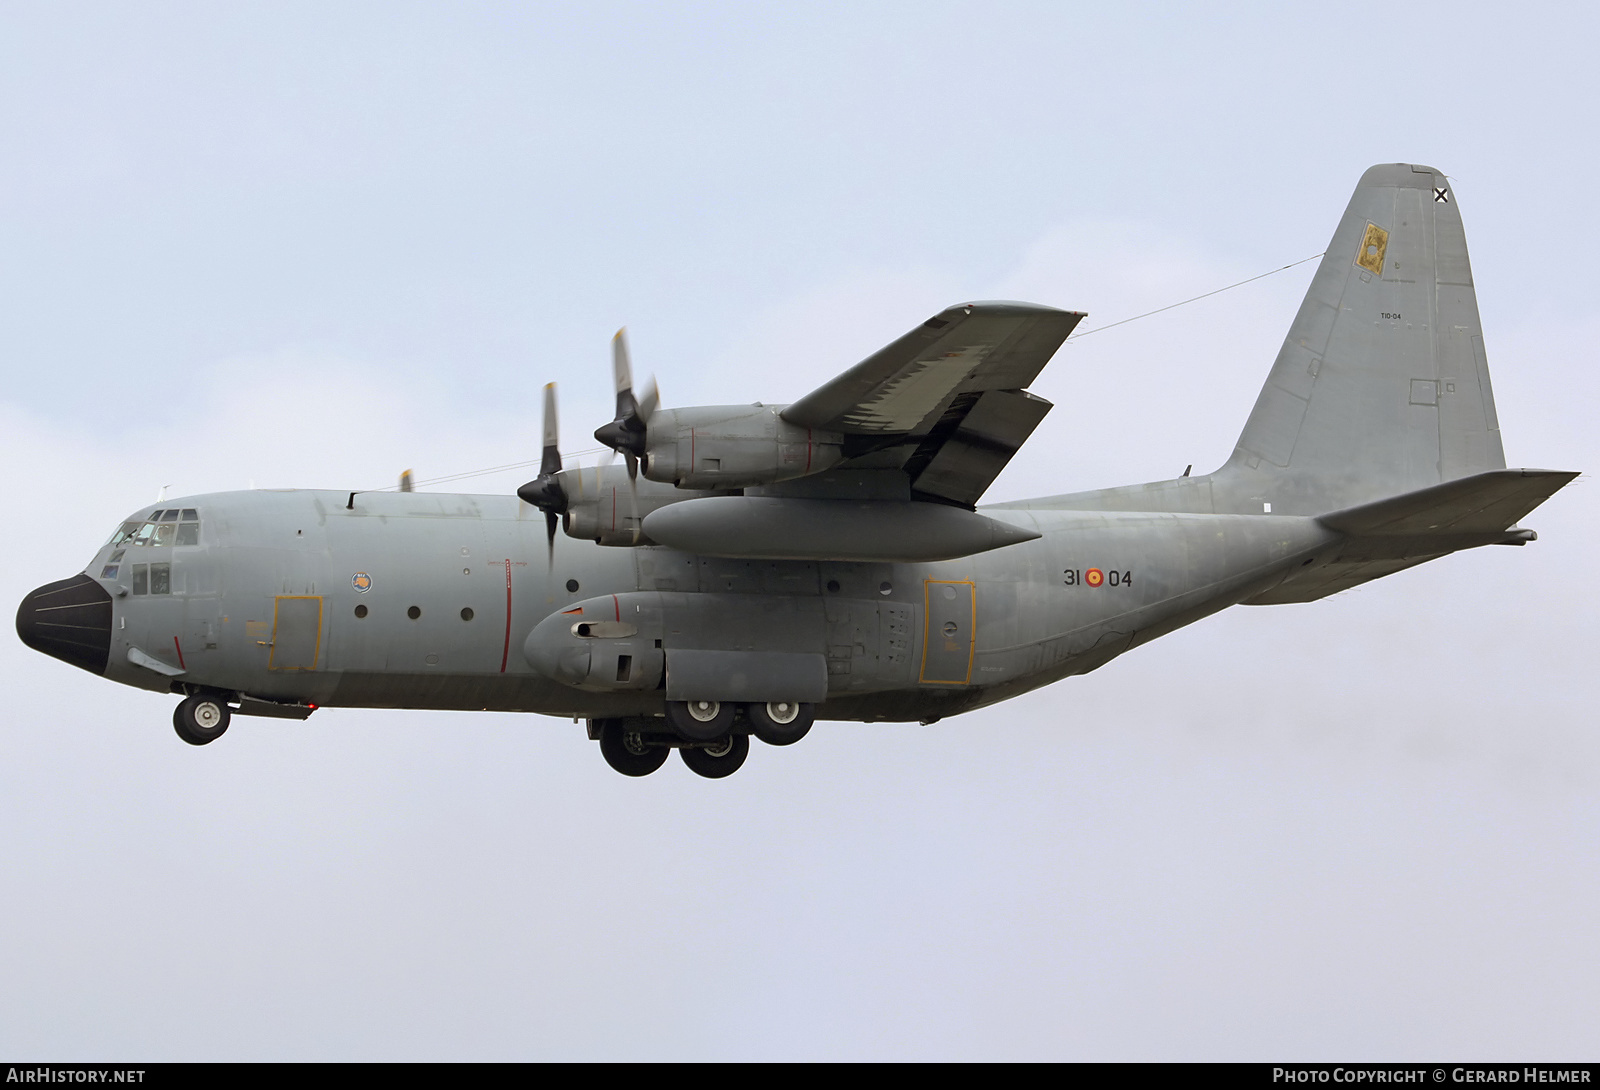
{"points": [[1481, 504], [1394, 534]]}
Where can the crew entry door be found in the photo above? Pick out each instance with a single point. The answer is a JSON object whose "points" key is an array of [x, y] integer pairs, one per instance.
{"points": [[950, 608]]}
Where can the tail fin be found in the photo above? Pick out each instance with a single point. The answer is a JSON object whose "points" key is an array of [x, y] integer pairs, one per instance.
{"points": [[1381, 387]]}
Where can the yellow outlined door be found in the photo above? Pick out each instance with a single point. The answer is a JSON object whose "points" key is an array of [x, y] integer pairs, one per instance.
{"points": [[950, 607], [296, 632]]}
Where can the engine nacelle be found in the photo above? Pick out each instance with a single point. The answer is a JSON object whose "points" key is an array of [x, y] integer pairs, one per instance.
{"points": [[604, 507], [734, 446]]}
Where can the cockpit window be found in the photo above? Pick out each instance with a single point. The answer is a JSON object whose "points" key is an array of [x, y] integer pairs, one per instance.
{"points": [[112, 564], [161, 528]]}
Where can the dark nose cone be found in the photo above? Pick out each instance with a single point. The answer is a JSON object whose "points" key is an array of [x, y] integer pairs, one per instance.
{"points": [[70, 620]]}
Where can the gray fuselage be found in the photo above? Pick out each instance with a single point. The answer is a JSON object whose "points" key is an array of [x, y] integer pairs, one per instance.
{"points": [[428, 600]]}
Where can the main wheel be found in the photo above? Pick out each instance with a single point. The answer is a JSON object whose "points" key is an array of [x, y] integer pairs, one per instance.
{"points": [[627, 750], [780, 722], [700, 720], [720, 758], [200, 719]]}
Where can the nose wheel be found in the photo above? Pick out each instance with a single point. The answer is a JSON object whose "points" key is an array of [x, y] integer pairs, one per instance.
{"points": [[201, 719]]}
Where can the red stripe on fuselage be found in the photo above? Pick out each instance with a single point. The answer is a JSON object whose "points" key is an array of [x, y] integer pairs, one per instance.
{"points": [[506, 653]]}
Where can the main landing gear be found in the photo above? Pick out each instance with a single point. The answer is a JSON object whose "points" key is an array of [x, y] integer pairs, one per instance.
{"points": [[201, 718], [628, 749], [712, 737]]}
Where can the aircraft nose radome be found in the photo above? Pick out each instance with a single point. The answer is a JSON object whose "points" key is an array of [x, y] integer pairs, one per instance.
{"points": [[70, 620]]}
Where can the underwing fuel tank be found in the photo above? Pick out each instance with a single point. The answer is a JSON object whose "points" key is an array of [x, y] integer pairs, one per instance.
{"points": [[776, 528]]}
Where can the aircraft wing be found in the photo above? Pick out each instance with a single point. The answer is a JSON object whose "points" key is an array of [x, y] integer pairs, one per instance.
{"points": [[946, 402]]}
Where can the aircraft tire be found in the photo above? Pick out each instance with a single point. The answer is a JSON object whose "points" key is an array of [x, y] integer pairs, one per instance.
{"points": [[201, 719], [780, 722], [718, 759], [627, 751], [700, 720]]}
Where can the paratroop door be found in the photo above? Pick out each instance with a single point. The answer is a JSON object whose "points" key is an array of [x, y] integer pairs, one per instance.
{"points": [[951, 606]]}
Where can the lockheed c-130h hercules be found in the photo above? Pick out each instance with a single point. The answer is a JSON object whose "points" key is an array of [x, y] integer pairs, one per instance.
{"points": [[749, 569]]}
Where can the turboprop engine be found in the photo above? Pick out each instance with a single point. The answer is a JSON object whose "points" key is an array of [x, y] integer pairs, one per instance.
{"points": [[733, 446], [602, 505]]}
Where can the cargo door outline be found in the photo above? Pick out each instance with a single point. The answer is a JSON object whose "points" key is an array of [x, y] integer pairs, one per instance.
{"points": [[947, 655], [296, 627]]}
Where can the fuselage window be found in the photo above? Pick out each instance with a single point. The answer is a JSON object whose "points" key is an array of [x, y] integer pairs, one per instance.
{"points": [[152, 579]]}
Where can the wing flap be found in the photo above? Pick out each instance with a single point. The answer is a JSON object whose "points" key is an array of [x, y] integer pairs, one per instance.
{"points": [[960, 466]]}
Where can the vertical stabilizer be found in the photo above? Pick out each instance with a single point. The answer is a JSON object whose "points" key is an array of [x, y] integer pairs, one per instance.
{"points": [[1381, 386]]}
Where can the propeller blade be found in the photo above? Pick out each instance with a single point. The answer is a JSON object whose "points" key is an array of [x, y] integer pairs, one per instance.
{"points": [[652, 398], [550, 463], [546, 491], [626, 433], [622, 372]]}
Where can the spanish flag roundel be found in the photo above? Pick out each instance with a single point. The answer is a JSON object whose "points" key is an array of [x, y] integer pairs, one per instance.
{"points": [[1094, 577]]}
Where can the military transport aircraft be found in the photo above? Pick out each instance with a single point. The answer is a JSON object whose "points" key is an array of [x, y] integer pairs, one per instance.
{"points": [[748, 569]]}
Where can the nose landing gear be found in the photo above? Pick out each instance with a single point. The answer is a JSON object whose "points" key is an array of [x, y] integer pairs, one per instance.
{"points": [[201, 719]]}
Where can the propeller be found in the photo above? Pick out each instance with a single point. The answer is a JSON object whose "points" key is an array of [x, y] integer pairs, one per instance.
{"points": [[626, 434], [545, 491]]}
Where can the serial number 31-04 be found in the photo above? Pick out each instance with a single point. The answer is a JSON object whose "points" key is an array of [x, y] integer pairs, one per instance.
{"points": [[1094, 577]]}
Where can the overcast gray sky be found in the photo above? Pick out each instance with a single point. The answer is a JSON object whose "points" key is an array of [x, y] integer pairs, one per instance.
{"points": [[316, 244]]}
